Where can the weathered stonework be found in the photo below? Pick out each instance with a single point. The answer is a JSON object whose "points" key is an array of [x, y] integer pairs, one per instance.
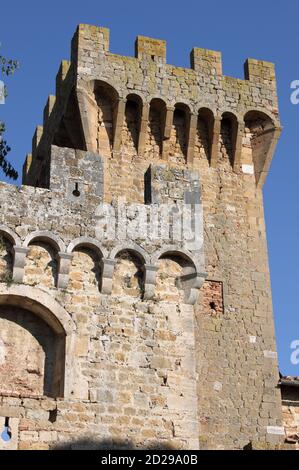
{"points": [[151, 341]]}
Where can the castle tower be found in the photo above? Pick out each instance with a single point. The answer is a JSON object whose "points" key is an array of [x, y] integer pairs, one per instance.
{"points": [[135, 301]]}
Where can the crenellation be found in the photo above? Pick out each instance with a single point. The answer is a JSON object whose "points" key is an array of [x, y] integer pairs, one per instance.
{"points": [[61, 76], [93, 39], [48, 108], [206, 62], [260, 71], [36, 139], [203, 86], [150, 49], [26, 166]]}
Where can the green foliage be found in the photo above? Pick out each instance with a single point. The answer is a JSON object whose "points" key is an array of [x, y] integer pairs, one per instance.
{"points": [[6, 167], [7, 67]]}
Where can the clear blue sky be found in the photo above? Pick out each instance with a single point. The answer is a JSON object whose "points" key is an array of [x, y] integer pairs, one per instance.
{"points": [[39, 33]]}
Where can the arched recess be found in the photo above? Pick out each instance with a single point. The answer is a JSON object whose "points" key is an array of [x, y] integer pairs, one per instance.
{"points": [[69, 132], [131, 126], [8, 239], [259, 142], [228, 136], [155, 129], [107, 99], [85, 269], [204, 134], [10, 235], [176, 275], [36, 343], [41, 265], [129, 273], [178, 143]]}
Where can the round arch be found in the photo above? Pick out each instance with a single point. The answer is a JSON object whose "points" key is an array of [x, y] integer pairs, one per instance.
{"points": [[10, 235], [87, 242], [206, 113], [158, 102], [136, 98], [183, 106], [175, 251], [40, 303], [46, 237], [109, 89], [133, 248], [259, 112]]}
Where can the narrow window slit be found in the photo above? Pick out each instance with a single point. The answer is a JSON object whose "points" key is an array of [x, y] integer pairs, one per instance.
{"points": [[76, 191]]}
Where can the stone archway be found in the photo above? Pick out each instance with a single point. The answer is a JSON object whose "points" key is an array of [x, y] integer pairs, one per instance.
{"points": [[36, 343]]}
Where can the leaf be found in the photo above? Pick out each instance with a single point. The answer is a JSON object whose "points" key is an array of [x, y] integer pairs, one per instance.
{"points": [[7, 67]]}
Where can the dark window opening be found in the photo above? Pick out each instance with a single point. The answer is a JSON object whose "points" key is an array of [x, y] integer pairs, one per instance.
{"points": [[76, 191]]}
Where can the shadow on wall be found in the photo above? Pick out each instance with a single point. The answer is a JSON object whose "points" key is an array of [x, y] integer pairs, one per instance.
{"points": [[91, 444]]}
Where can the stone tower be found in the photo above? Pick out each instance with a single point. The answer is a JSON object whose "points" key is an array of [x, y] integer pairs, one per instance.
{"points": [[135, 302]]}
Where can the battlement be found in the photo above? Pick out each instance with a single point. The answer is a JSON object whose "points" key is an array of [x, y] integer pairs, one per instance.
{"points": [[151, 49], [114, 106]]}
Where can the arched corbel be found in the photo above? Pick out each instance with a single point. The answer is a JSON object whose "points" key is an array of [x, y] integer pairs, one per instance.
{"points": [[150, 272], [107, 267], [64, 264], [190, 282], [20, 254]]}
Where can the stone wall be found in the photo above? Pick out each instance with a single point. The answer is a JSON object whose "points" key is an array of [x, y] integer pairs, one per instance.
{"points": [[165, 342], [134, 358]]}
